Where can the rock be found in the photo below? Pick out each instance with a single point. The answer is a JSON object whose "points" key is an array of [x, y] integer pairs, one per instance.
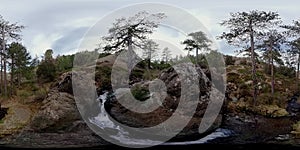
{"points": [[234, 99], [57, 112], [271, 111], [283, 137], [279, 82], [293, 107], [296, 130], [250, 82], [3, 112], [65, 83], [162, 113]]}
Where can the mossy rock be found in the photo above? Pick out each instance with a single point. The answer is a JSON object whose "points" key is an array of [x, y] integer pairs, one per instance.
{"points": [[296, 130], [296, 127], [271, 111]]}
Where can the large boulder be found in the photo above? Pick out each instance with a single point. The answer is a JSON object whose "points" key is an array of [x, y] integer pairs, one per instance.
{"points": [[58, 111]]}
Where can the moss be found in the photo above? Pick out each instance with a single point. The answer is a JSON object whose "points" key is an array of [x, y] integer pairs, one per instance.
{"points": [[270, 111], [296, 130], [240, 106], [244, 71], [296, 126]]}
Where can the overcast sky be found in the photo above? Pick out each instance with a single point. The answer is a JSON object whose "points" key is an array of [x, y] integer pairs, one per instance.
{"points": [[61, 24]]}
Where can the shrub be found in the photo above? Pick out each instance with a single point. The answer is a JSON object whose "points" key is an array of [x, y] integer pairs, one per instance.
{"points": [[286, 71], [229, 60], [233, 77], [140, 93], [46, 71]]}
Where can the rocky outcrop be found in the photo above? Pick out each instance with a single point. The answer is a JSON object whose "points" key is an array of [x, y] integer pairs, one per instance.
{"points": [[58, 111], [173, 85], [64, 83]]}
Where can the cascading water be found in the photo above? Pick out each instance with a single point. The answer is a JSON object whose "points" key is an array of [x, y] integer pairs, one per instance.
{"points": [[103, 121]]}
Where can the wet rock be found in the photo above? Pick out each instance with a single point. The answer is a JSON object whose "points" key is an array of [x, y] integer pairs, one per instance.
{"points": [[3, 112], [283, 137], [293, 107]]}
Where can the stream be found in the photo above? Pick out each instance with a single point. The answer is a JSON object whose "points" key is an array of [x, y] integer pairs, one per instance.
{"points": [[103, 121]]}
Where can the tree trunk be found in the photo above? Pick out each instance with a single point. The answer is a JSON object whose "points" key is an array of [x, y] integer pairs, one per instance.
{"points": [[272, 72], [166, 61], [5, 76], [130, 53], [149, 59], [2, 61], [19, 79], [1, 72], [253, 64], [197, 58], [297, 72], [269, 62], [12, 74]]}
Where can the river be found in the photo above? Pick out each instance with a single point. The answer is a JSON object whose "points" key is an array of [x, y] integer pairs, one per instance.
{"points": [[104, 122]]}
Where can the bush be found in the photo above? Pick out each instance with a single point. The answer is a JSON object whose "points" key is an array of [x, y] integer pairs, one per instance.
{"points": [[233, 77], [229, 60], [140, 93], [23, 94], [46, 71], [286, 71], [160, 65]]}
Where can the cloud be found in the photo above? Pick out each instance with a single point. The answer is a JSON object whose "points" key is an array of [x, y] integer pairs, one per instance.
{"points": [[68, 41], [43, 42], [59, 24]]}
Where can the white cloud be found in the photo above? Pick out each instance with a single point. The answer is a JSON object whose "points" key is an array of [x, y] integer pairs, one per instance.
{"points": [[42, 42], [78, 22]]}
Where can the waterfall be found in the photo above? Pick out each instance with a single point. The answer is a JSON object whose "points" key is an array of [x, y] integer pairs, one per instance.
{"points": [[103, 121]]}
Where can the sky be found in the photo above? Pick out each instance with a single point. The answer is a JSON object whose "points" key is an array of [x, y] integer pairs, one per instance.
{"points": [[64, 25]]}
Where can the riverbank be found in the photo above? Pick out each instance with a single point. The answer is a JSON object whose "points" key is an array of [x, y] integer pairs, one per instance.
{"points": [[257, 129]]}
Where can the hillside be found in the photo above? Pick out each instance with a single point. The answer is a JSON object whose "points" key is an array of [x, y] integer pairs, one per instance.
{"points": [[56, 116]]}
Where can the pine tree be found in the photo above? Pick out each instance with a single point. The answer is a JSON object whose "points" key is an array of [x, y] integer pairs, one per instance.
{"points": [[244, 29]]}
